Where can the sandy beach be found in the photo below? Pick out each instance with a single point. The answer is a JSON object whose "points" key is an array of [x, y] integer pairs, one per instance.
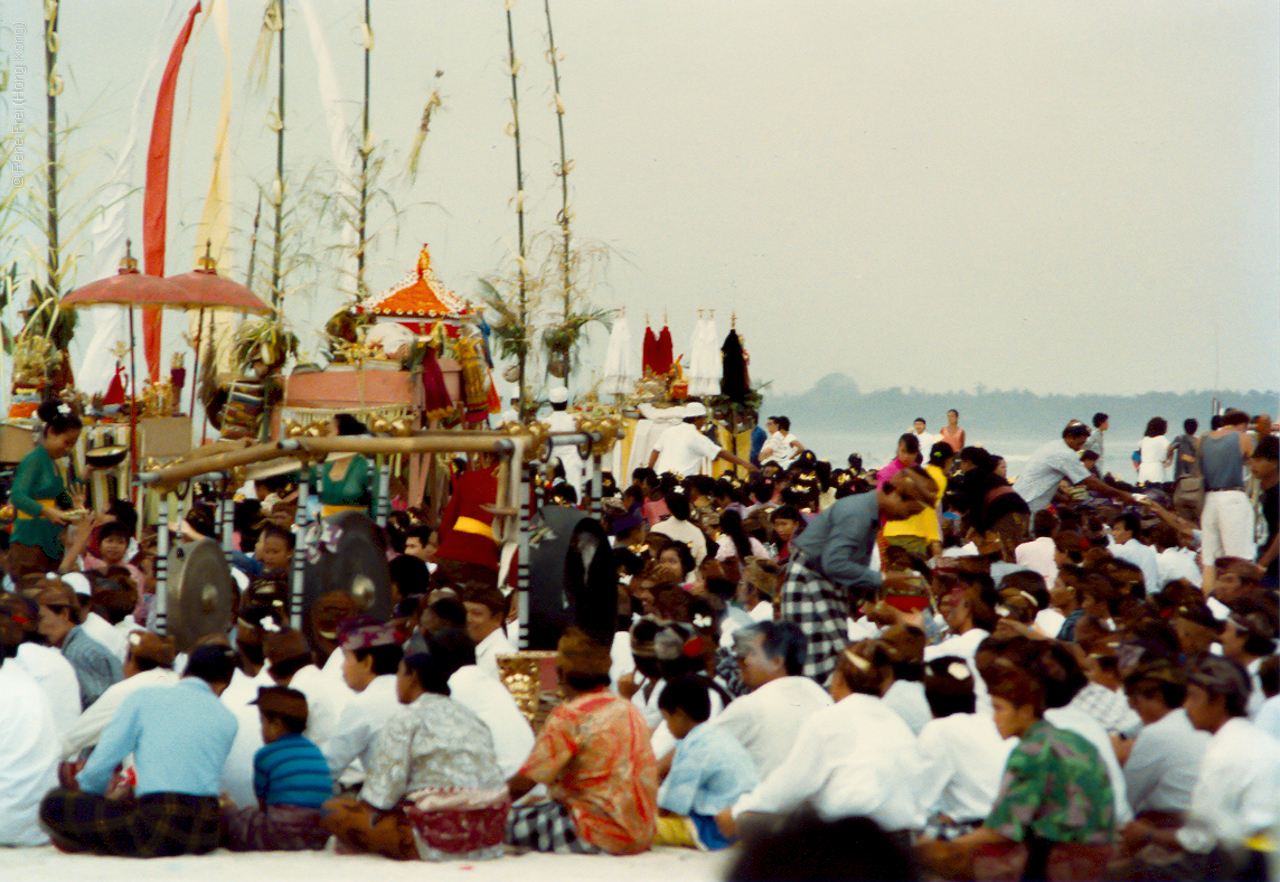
{"points": [[47, 864]]}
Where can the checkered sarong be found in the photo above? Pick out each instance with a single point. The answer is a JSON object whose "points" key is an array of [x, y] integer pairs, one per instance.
{"points": [[155, 825], [546, 826], [821, 609]]}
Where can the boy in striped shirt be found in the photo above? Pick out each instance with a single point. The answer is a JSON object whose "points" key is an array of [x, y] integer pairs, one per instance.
{"points": [[291, 778]]}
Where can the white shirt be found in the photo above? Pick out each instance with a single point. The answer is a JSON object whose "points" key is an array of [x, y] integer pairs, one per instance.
{"points": [[116, 642], [491, 702], [767, 720], [777, 448], [856, 757], [1235, 796], [488, 650], [1050, 621], [684, 531], [563, 421], [1141, 556], [325, 701], [1090, 730], [87, 728], [1164, 763], [237, 771], [964, 761], [365, 715], [1038, 555], [1268, 718], [29, 742], [907, 699], [683, 450], [57, 678], [1038, 480], [1178, 563]]}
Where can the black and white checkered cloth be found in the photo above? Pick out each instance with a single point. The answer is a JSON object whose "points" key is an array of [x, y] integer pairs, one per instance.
{"points": [[546, 826], [821, 609]]}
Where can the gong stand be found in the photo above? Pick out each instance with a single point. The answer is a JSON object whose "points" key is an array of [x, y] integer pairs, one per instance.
{"points": [[298, 559]]}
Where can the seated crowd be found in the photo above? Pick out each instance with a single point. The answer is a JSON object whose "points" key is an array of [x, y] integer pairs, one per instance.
{"points": [[988, 690]]}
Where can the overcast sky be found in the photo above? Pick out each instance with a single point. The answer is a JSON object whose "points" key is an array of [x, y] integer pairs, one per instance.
{"points": [[1063, 196]]}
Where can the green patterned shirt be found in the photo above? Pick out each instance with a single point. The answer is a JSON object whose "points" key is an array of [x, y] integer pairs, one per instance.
{"points": [[1055, 787]]}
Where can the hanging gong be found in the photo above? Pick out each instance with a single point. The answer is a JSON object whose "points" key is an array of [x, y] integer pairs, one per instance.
{"points": [[354, 562], [572, 577], [201, 592]]}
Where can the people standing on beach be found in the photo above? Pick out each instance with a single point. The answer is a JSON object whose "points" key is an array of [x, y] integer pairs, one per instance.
{"points": [[1155, 452], [919, 428], [951, 432], [1226, 523], [1097, 438], [1059, 461], [781, 447]]}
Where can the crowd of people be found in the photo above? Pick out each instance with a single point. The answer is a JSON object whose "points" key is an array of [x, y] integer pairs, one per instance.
{"points": [[921, 669]]}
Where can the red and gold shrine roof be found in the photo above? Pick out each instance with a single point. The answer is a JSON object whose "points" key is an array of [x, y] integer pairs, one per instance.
{"points": [[418, 295]]}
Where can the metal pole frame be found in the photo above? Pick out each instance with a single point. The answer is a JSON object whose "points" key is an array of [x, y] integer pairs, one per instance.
{"points": [[298, 560], [526, 497], [162, 567]]}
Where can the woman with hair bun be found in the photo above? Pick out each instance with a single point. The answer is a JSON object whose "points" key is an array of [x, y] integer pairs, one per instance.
{"points": [[39, 495], [344, 481]]}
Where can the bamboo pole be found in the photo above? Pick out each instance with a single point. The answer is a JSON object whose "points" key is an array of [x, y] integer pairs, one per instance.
{"points": [[563, 219], [276, 293], [51, 145], [365, 147], [523, 352]]}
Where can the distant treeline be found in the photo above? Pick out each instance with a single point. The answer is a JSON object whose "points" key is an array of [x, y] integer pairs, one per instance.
{"points": [[835, 403]]}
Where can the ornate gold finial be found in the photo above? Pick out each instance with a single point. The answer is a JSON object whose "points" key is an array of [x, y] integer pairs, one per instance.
{"points": [[424, 262], [207, 264], [127, 263]]}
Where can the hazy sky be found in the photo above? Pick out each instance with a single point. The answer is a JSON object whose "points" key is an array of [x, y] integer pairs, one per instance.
{"points": [[1064, 196]]}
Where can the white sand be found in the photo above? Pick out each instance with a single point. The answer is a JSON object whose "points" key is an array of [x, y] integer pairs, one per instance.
{"points": [[660, 865]]}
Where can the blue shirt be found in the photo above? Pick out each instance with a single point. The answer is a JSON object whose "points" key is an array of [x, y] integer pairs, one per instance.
{"points": [[292, 771], [179, 735], [709, 771], [96, 667]]}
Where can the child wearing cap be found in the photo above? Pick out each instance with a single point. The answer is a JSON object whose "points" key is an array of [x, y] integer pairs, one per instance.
{"points": [[291, 778]]}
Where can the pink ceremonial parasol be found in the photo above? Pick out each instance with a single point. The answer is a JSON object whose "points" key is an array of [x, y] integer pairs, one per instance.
{"points": [[202, 289]]}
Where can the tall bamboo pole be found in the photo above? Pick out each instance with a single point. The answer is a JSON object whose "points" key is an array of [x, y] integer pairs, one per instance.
{"points": [[522, 354], [51, 142], [364, 159], [563, 171], [275, 252]]}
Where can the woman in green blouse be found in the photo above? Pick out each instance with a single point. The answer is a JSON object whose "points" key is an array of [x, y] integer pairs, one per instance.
{"points": [[344, 483], [39, 495]]}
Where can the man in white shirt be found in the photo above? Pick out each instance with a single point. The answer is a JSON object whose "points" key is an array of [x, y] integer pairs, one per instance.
{"points": [[290, 663], [1125, 545], [923, 435], [560, 420], [856, 757], [486, 621], [51, 671], [1040, 554], [370, 657], [148, 662], [771, 656], [1233, 805], [683, 449], [1162, 763], [1058, 461], [29, 744]]}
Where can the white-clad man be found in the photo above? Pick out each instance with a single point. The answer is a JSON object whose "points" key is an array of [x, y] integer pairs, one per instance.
{"points": [[560, 420], [683, 449], [771, 656]]}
